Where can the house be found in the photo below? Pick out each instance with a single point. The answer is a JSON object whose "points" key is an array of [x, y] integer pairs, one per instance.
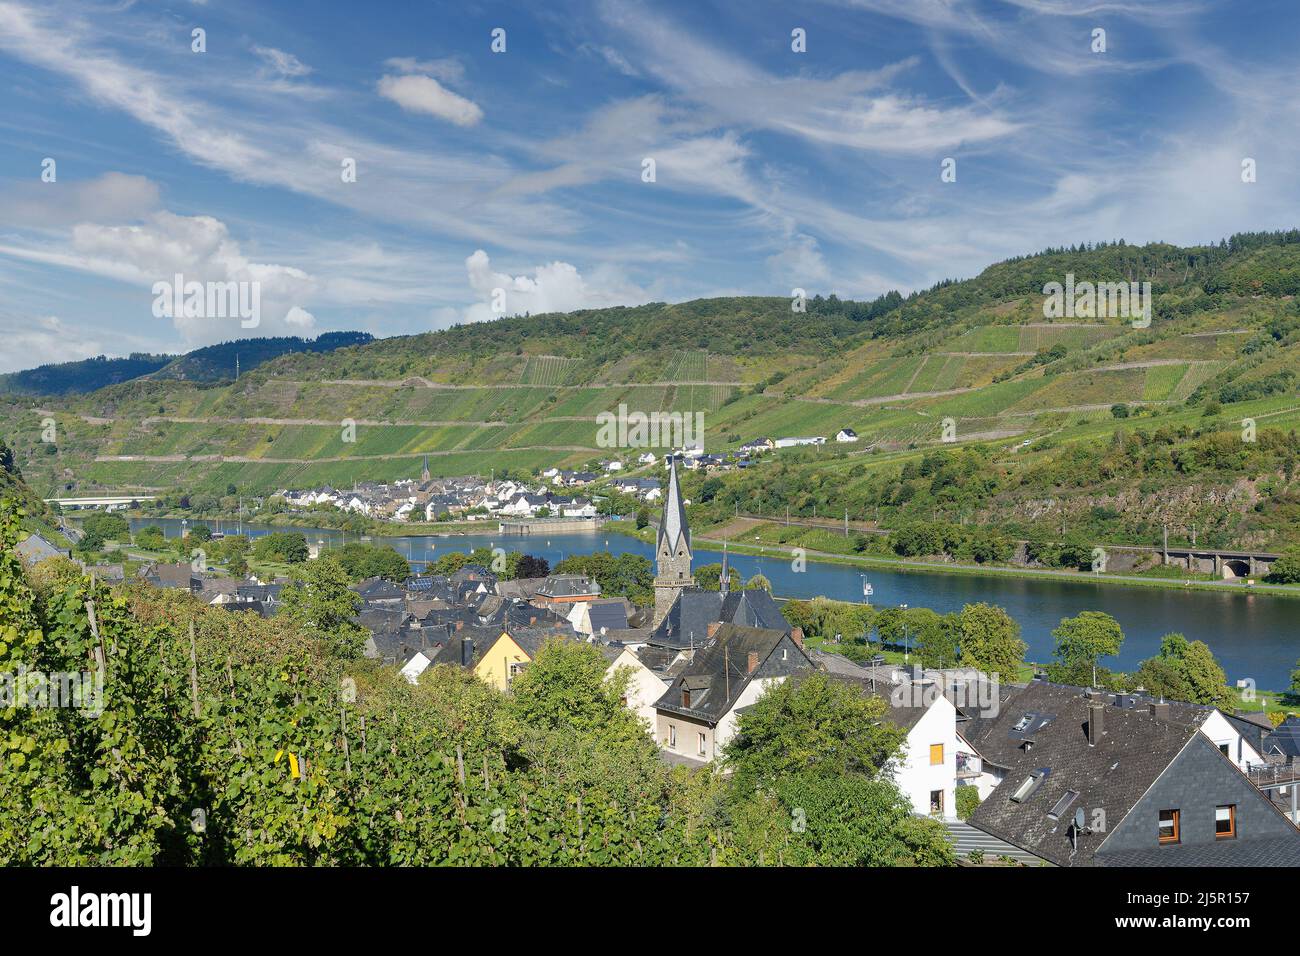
{"points": [[34, 549], [757, 446], [846, 435], [504, 659], [793, 442], [644, 687], [926, 768], [696, 716], [179, 575], [647, 458], [1094, 780], [612, 465], [566, 589], [600, 616]]}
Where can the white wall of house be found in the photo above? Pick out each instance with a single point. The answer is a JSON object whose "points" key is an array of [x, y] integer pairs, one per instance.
{"points": [[1223, 734], [915, 773], [726, 728], [643, 689]]}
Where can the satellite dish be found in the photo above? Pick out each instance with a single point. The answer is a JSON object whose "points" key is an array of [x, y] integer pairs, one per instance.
{"points": [[1079, 819]]}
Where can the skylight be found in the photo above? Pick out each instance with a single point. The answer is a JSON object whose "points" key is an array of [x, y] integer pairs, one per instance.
{"points": [[1063, 804], [1023, 722]]}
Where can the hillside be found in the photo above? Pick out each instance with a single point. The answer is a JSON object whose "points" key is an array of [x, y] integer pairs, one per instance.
{"points": [[979, 355], [211, 363]]}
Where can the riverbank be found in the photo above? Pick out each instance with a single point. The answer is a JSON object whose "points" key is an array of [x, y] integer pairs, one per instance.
{"points": [[647, 534]]}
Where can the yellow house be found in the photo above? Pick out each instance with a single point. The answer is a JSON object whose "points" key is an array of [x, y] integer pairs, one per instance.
{"points": [[511, 652]]}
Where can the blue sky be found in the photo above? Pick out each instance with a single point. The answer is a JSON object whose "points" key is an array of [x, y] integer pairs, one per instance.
{"points": [[522, 170]]}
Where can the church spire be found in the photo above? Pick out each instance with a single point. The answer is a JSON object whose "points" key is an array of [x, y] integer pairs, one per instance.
{"points": [[673, 529], [724, 582], [672, 548]]}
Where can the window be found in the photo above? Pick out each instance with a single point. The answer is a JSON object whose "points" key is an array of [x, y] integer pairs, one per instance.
{"points": [[672, 736], [1063, 804], [686, 697], [701, 745], [1169, 831], [1030, 784], [1023, 722], [936, 801], [1223, 749], [1225, 822], [936, 754]]}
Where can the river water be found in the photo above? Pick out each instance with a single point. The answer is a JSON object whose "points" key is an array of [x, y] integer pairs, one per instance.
{"points": [[1254, 636]]}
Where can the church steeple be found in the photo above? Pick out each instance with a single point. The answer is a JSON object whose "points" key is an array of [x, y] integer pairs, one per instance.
{"points": [[672, 548]]}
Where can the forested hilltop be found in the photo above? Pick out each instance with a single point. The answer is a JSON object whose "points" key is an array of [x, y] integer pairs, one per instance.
{"points": [[971, 404]]}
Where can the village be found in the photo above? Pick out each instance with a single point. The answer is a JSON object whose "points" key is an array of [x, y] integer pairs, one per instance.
{"points": [[1035, 773]]}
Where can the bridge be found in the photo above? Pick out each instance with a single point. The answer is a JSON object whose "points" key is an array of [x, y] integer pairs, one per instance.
{"points": [[1220, 563], [101, 501]]}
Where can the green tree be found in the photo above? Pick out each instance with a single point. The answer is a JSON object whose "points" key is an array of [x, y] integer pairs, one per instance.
{"points": [[1185, 670], [990, 641], [811, 725], [319, 600], [1081, 641], [759, 582]]}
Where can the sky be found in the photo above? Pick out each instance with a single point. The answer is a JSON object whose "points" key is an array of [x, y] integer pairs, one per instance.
{"points": [[607, 152]]}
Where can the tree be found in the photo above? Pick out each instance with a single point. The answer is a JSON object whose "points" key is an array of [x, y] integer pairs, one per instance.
{"points": [[289, 547], [759, 582], [1185, 670], [1080, 641], [319, 601], [989, 639], [642, 517], [709, 577], [812, 725], [856, 821], [525, 566], [934, 637], [1286, 569], [368, 561]]}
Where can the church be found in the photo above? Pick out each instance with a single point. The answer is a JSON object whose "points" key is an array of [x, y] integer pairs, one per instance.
{"points": [[685, 614]]}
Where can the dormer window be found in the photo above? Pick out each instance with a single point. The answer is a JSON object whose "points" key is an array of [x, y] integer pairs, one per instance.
{"points": [[686, 697], [1023, 722]]}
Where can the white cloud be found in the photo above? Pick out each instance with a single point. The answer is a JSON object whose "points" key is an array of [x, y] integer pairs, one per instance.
{"points": [[30, 341], [449, 69], [554, 287], [110, 197], [200, 249], [423, 94], [286, 64]]}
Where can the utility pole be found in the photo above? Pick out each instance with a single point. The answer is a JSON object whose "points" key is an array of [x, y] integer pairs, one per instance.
{"points": [[846, 522]]}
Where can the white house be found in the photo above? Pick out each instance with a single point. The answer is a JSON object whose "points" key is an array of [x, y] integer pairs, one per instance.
{"points": [[647, 458], [846, 435], [643, 689], [926, 768], [792, 442]]}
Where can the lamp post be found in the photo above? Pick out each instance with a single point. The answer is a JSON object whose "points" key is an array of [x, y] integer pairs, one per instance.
{"points": [[903, 608]]}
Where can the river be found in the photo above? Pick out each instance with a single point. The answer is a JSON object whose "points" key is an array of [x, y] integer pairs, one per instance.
{"points": [[1253, 635]]}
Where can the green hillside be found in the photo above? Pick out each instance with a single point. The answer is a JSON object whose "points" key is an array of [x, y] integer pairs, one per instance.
{"points": [[976, 360]]}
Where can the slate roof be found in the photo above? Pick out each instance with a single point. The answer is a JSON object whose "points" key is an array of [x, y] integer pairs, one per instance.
{"points": [[673, 529], [1285, 738], [523, 588], [719, 671], [687, 621], [1111, 776], [610, 614], [567, 585], [34, 549], [754, 608], [378, 589]]}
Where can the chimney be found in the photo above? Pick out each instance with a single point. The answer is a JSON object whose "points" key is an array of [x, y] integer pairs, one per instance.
{"points": [[466, 651], [753, 662], [1160, 710], [532, 620], [713, 628], [1096, 721], [459, 625], [796, 635]]}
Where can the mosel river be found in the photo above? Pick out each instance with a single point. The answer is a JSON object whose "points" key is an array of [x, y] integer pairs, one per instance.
{"points": [[1255, 636]]}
